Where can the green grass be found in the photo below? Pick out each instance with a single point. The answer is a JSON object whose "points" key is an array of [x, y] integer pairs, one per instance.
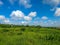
{"points": [[29, 36]]}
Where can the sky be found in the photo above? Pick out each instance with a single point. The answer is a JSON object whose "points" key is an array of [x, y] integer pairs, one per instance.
{"points": [[30, 12]]}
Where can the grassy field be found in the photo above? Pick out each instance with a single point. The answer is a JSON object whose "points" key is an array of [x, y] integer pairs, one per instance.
{"points": [[29, 36]]}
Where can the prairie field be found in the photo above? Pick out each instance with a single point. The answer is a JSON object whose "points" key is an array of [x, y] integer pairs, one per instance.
{"points": [[29, 36]]}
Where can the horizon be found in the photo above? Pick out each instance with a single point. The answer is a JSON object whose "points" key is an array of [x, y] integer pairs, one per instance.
{"points": [[31, 12]]}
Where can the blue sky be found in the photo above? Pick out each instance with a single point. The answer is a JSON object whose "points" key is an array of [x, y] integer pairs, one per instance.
{"points": [[32, 12]]}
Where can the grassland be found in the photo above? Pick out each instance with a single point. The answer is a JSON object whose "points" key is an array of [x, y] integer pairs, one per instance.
{"points": [[29, 36]]}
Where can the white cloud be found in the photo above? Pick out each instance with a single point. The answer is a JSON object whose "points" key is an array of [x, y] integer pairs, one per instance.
{"points": [[20, 15], [25, 22], [27, 18], [1, 3], [53, 3], [25, 3], [44, 18], [50, 22], [4, 20], [7, 21], [57, 12], [17, 14], [22, 22], [2, 17], [32, 14], [36, 23], [37, 19]]}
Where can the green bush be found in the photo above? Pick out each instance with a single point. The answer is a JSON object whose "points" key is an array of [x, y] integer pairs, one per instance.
{"points": [[22, 29], [5, 30], [19, 33]]}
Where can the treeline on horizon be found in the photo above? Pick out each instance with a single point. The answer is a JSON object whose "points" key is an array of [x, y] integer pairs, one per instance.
{"points": [[12, 25], [17, 26]]}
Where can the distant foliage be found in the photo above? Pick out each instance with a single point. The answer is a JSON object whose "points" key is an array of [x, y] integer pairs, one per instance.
{"points": [[11, 25], [27, 25]]}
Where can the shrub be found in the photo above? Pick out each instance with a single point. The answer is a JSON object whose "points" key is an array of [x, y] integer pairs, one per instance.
{"points": [[5, 30], [22, 29], [19, 33], [32, 30]]}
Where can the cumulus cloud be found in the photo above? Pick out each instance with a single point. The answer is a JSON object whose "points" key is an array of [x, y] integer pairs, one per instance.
{"points": [[4, 20], [17, 17], [44, 18], [37, 19], [20, 15], [57, 12], [24, 22], [25, 3], [17, 14], [32, 14], [2, 17], [53, 3], [51, 22], [54, 23], [1, 3], [7, 21], [27, 18]]}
